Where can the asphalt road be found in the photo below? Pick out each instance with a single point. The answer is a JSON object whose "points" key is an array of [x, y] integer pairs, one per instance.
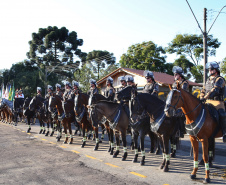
{"points": [[35, 159]]}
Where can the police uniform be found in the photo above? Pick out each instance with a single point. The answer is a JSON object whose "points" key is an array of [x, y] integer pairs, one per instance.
{"points": [[109, 93], [67, 94], [151, 88], [93, 91], [59, 93], [183, 84], [213, 93]]}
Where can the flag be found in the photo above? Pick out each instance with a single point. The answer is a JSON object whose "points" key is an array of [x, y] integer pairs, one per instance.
{"points": [[7, 91], [12, 93]]}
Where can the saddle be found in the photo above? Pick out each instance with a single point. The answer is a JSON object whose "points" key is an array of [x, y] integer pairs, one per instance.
{"points": [[213, 112]]}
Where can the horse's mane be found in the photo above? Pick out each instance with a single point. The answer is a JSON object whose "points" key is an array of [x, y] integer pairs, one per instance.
{"points": [[154, 99], [190, 94]]}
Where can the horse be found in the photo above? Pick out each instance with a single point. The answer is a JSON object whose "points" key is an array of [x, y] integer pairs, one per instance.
{"points": [[17, 109], [69, 117], [201, 124], [37, 105], [7, 108], [28, 113], [56, 110], [161, 125], [142, 129], [81, 115], [117, 118]]}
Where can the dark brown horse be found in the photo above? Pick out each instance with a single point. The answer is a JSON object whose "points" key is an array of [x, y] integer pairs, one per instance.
{"points": [[164, 127], [81, 115], [93, 99], [118, 121], [27, 113], [56, 110], [7, 109], [142, 128], [200, 125]]}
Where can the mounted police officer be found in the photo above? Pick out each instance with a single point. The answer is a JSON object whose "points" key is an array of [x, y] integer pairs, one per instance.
{"points": [[179, 78], [20, 94], [122, 80], [49, 91], [75, 90], [130, 80], [151, 87], [58, 90], [93, 87], [67, 91], [109, 92], [213, 93], [39, 92]]}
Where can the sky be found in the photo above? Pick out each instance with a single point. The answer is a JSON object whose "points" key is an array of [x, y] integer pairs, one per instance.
{"points": [[112, 25]]}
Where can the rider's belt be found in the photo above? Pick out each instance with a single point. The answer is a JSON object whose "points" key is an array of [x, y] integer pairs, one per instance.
{"points": [[217, 104]]}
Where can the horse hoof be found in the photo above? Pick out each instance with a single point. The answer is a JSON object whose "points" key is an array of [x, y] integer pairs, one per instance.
{"points": [[165, 169], [193, 176], [52, 133], [161, 167], [157, 152], [40, 131], [173, 154], [100, 141], [44, 132], [28, 130], [47, 133], [70, 143], [109, 149], [75, 132], [83, 144], [210, 164], [207, 180], [65, 142], [124, 156], [112, 151], [116, 154], [89, 136], [142, 163], [58, 139]]}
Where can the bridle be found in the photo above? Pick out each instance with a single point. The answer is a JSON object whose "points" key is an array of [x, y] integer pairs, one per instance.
{"points": [[169, 99]]}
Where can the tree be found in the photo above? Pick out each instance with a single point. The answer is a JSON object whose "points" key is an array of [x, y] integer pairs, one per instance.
{"points": [[83, 76], [48, 43], [100, 60], [110, 68], [146, 56], [192, 47], [223, 67]]}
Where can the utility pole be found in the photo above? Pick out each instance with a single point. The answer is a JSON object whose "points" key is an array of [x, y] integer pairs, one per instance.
{"points": [[205, 50]]}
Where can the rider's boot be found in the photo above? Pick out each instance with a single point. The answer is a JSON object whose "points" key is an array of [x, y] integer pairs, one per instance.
{"points": [[222, 116]]}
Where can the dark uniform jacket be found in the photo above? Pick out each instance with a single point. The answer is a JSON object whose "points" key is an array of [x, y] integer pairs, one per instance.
{"points": [[122, 87], [183, 83], [59, 93], [109, 93], [93, 91], [67, 94], [151, 88], [39, 95], [214, 88], [48, 95]]}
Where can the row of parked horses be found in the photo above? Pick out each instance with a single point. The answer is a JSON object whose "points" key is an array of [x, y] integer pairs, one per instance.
{"points": [[147, 115]]}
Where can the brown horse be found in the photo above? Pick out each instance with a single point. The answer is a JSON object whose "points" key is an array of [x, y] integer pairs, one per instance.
{"points": [[117, 118], [200, 124], [6, 107]]}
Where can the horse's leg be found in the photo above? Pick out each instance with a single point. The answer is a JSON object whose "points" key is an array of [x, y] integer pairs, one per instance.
{"points": [[142, 136], [65, 132], [167, 153], [102, 134], [117, 144], [84, 134], [52, 126], [173, 141], [47, 124], [109, 137], [195, 146], [123, 134], [112, 141], [211, 151], [205, 147], [41, 127], [29, 124], [44, 128], [153, 141], [97, 138], [59, 130], [70, 131], [135, 138], [163, 152]]}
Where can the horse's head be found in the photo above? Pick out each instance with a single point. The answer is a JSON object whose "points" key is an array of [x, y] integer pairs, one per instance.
{"points": [[79, 103], [124, 93], [136, 109], [52, 104], [95, 115], [33, 104], [173, 102], [68, 107]]}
